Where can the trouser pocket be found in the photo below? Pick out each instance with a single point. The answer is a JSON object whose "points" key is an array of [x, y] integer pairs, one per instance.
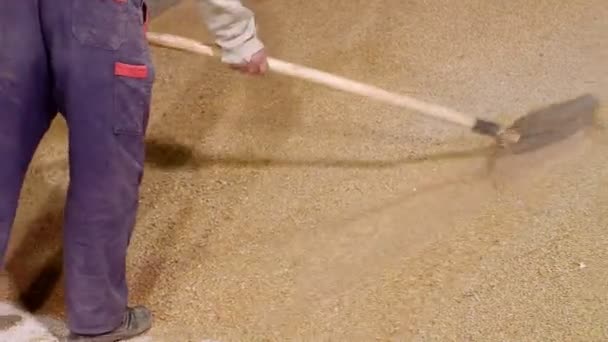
{"points": [[132, 94], [132, 97], [100, 23]]}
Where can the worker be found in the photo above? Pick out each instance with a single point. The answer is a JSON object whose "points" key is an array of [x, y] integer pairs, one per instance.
{"points": [[89, 60]]}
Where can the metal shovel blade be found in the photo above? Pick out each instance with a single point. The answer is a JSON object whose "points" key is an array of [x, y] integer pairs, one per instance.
{"points": [[553, 123]]}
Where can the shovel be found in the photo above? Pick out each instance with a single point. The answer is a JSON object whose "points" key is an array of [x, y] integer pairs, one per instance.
{"points": [[531, 131]]}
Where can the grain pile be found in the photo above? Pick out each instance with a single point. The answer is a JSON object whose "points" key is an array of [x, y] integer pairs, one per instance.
{"points": [[278, 210]]}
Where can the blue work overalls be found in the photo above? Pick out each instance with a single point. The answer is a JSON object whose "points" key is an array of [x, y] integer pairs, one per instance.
{"points": [[88, 60]]}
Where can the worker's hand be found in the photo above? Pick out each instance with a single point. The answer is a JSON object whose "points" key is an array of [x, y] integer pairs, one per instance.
{"points": [[258, 64]]}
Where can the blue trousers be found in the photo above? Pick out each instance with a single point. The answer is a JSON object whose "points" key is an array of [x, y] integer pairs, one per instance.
{"points": [[89, 61]]}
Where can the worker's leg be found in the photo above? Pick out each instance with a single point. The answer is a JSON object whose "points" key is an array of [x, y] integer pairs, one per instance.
{"points": [[104, 76], [25, 106]]}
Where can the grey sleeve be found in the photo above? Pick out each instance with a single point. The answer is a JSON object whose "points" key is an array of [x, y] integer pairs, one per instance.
{"points": [[233, 27]]}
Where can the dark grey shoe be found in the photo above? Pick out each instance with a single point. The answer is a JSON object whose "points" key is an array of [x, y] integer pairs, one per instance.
{"points": [[9, 321], [137, 321]]}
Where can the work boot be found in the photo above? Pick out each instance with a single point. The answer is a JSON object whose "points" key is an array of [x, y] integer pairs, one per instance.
{"points": [[137, 321]]}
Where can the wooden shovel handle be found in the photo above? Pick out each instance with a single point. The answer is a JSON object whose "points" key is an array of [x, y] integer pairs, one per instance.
{"points": [[324, 78]]}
